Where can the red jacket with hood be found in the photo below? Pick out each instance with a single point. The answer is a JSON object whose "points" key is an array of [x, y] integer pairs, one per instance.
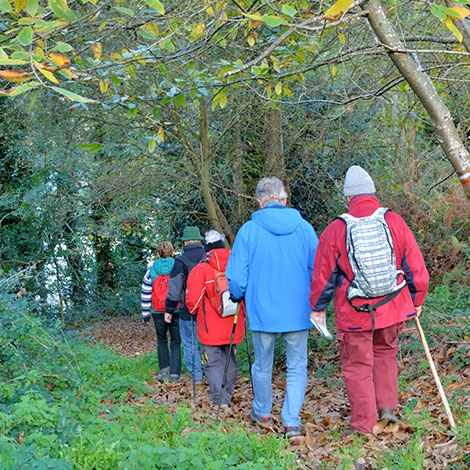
{"points": [[212, 329], [332, 270]]}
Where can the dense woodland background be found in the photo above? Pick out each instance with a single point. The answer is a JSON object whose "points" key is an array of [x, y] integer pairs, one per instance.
{"points": [[165, 130]]}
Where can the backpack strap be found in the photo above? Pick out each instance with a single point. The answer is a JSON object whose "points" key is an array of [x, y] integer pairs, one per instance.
{"points": [[372, 308], [187, 262]]}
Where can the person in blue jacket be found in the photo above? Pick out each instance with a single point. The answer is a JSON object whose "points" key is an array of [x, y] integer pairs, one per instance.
{"points": [[271, 269]]}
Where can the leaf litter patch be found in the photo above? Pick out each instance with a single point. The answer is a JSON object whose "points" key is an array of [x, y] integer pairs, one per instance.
{"points": [[325, 413]]}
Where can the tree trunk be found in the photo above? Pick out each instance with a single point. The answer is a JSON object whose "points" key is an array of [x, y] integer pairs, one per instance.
{"points": [[274, 143], [237, 166], [215, 215], [424, 89]]}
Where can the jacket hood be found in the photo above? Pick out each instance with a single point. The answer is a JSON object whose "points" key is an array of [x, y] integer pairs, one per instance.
{"points": [[218, 258], [363, 205], [277, 218], [161, 266]]}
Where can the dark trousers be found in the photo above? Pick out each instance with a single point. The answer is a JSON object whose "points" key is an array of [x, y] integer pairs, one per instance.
{"points": [[169, 358], [214, 359]]}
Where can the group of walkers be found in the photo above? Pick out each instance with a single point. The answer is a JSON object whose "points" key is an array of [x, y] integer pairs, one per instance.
{"points": [[282, 277]]}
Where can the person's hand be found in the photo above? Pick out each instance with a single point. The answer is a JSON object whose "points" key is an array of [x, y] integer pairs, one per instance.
{"points": [[319, 317], [418, 310], [234, 300], [168, 317], [147, 318]]}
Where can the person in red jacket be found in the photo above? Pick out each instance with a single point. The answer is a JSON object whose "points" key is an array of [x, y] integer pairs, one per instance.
{"points": [[368, 353], [214, 332]]}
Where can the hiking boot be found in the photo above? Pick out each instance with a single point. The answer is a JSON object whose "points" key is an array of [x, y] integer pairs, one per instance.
{"points": [[175, 378], [389, 415], [162, 376], [262, 420], [292, 431]]}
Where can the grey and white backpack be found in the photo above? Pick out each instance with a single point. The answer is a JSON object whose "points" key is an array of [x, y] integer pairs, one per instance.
{"points": [[371, 254]]}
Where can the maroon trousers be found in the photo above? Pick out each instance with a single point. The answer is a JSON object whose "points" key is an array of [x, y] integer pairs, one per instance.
{"points": [[370, 371]]}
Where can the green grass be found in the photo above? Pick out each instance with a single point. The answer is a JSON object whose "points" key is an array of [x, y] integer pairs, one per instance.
{"points": [[64, 405]]}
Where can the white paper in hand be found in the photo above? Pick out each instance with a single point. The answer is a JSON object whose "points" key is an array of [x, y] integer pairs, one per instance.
{"points": [[321, 327]]}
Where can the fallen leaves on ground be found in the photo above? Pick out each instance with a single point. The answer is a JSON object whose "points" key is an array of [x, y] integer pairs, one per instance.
{"points": [[326, 411]]}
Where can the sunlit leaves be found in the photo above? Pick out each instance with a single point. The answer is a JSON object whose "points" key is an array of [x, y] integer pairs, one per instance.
{"points": [[132, 111], [8, 61], [156, 113], [48, 26], [149, 31], [337, 9], [161, 134], [104, 84], [26, 36], [289, 10], [92, 147], [5, 6], [49, 75], [151, 145], [62, 47], [126, 11], [341, 37], [97, 50], [72, 96], [220, 99], [167, 45], [197, 32], [32, 7], [57, 61], [62, 10], [156, 5], [18, 90], [15, 76], [262, 69], [180, 100], [449, 15], [272, 21]]}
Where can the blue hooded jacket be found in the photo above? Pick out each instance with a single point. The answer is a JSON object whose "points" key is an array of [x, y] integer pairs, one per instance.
{"points": [[271, 267]]}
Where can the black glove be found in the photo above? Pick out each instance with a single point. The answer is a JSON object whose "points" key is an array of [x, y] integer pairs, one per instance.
{"points": [[147, 318], [233, 299]]}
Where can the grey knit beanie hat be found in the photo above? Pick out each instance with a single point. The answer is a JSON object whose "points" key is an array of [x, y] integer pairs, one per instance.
{"points": [[358, 181]]}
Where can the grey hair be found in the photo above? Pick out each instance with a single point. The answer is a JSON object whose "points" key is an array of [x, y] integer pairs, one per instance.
{"points": [[270, 189]]}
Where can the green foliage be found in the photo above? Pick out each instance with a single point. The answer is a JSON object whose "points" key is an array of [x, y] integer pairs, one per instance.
{"points": [[410, 457], [63, 406], [449, 298]]}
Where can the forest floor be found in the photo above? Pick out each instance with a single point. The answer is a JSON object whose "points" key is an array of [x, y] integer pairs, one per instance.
{"points": [[326, 411]]}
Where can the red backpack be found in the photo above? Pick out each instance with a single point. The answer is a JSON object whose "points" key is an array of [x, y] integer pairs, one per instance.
{"points": [[221, 299], [159, 291]]}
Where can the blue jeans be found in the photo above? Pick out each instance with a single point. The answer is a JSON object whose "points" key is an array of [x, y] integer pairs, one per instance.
{"points": [[296, 379], [192, 358]]}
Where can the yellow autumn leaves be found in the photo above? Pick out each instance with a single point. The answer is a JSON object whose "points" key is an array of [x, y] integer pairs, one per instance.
{"points": [[55, 62]]}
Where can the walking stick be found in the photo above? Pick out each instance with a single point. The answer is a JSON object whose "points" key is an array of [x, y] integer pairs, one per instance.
{"points": [[434, 373], [193, 350], [248, 353], [227, 362]]}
